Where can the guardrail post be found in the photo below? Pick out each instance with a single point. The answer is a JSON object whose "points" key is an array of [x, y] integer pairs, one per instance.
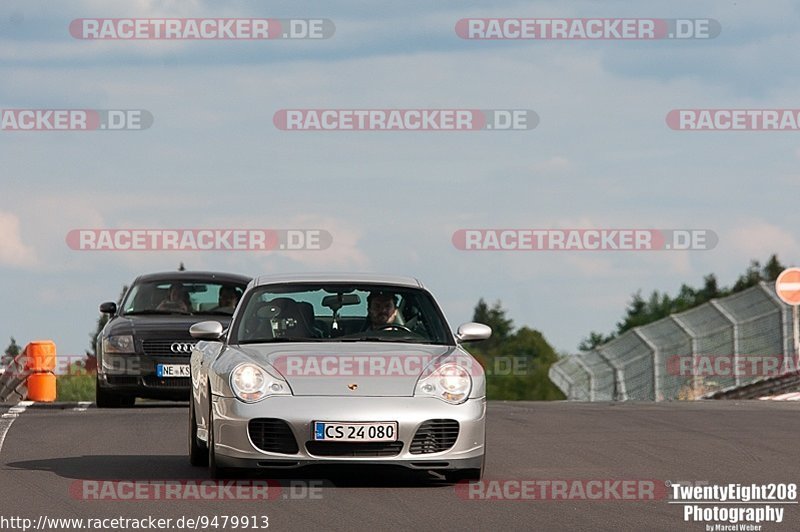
{"points": [[592, 393], [735, 325], [656, 363], [620, 390], [693, 343]]}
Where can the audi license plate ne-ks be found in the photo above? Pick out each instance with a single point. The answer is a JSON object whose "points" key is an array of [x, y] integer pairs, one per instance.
{"points": [[172, 370], [355, 431]]}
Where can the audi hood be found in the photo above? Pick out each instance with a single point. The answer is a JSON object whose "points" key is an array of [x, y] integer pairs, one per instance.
{"points": [[165, 327]]}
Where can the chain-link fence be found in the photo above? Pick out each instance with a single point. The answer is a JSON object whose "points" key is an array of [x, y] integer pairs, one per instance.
{"points": [[721, 344]]}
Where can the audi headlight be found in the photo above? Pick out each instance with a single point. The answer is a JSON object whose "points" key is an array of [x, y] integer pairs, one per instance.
{"points": [[118, 344], [251, 383], [450, 383]]}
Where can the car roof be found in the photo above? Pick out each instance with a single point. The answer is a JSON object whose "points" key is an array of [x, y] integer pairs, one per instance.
{"points": [[194, 276], [366, 278]]}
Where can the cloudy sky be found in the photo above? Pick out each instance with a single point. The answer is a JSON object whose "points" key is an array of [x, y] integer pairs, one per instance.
{"points": [[601, 156]]}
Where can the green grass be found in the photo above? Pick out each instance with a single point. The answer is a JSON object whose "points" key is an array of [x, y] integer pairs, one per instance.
{"points": [[75, 388]]}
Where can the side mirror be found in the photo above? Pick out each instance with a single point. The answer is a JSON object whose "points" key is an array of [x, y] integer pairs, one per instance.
{"points": [[109, 307], [206, 330], [469, 332]]}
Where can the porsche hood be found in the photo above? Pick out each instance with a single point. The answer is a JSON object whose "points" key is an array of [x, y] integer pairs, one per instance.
{"points": [[346, 369]]}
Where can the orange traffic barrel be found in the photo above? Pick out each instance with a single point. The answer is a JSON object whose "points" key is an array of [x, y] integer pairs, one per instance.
{"points": [[40, 361], [40, 355], [42, 387]]}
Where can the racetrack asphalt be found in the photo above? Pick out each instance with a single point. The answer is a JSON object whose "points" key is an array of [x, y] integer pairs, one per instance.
{"points": [[48, 452]]}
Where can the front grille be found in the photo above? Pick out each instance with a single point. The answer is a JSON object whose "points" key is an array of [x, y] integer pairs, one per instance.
{"points": [[272, 435], [122, 379], [373, 448], [154, 381], [164, 347], [435, 436]]}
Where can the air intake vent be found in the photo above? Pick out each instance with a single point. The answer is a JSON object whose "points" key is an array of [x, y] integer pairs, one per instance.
{"points": [[153, 381], [373, 448], [272, 435], [435, 436], [127, 380]]}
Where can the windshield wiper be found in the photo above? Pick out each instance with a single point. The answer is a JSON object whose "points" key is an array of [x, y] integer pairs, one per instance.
{"points": [[361, 339], [279, 340], [398, 339], [215, 312], [154, 311]]}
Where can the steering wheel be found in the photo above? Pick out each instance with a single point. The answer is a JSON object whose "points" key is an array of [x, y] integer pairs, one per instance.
{"points": [[396, 327]]}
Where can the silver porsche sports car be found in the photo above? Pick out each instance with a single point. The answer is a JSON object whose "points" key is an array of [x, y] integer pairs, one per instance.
{"points": [[345, 369]]}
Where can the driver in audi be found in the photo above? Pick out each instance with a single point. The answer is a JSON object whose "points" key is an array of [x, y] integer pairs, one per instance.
{"points": [[381, 310]]}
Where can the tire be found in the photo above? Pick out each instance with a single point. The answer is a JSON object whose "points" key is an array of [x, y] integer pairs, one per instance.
{"points": [[107, 399], [198, 453], [215, 471]]}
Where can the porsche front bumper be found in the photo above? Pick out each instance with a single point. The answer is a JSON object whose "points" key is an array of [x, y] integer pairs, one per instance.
{"points": [[234, 446]]}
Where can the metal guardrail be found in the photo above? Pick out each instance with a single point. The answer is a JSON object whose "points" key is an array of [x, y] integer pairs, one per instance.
{"points": [[769, 386], [13, 381], [639, 364]]}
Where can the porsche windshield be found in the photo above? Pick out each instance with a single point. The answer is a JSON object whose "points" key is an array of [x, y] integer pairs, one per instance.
{"points": [[352, 313]]}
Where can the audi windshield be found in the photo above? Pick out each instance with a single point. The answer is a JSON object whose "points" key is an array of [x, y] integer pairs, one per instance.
{"points": [[182, 297]]}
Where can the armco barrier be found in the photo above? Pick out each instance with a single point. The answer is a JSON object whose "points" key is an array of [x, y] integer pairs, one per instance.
{"points": [[30, 374], [640, 363], [571, 378], [14, 376]]}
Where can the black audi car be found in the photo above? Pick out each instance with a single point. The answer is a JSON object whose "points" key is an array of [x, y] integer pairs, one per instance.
{"points": [[144, 349]]}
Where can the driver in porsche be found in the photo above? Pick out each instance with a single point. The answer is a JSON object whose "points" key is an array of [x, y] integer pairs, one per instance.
{"points": [[381, 310]]}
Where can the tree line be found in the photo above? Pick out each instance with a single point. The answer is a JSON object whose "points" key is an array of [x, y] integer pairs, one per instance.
{"points": [[641, 311]]}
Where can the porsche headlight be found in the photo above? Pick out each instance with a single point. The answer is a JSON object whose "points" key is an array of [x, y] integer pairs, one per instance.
{"points": [[118, 344], [251, 383], [450, 383]]}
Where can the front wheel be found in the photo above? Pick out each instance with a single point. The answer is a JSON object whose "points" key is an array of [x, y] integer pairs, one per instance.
{"points": [[198, 453], [215, 471]]}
